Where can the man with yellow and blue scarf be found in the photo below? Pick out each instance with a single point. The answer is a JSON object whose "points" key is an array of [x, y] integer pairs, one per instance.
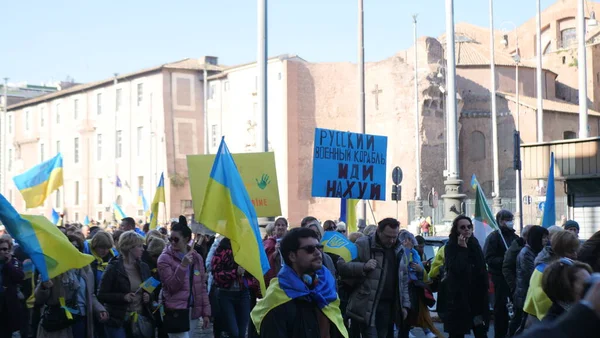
{"points": [[302, 301]]}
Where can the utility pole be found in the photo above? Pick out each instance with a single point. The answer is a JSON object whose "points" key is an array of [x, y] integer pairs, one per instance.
{"points": [[361, 82], [262, 74], [452, 197], [539, 75], [582, 68], [497, 200], [3, 147], [418, 201], [205, 108]]}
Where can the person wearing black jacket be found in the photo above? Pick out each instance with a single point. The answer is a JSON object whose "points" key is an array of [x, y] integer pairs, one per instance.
{"points": [[509, 266], [494, 249], [466, 282], [119, 287]]}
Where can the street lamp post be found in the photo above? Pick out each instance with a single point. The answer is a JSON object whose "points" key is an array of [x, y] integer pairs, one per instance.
{"points": [[361, 82], [582, 68], [518, 191], [452, 196], [540, 102], [3, 148], [497, 199], [418, 201]]}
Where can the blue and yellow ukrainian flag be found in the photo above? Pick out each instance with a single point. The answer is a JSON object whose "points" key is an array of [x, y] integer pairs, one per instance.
{"points": [[150, 284], [118, 212], [348, 214], [228, 210], [549, 215], [86, 221], [40, 181], [288, 286], [142, 200], [49, 249], [159, 196], [55, 216], [537, 302], [337, 244]]}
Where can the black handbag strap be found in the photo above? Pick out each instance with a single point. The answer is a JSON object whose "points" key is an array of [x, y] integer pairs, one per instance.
{"points": [[191, 273]]}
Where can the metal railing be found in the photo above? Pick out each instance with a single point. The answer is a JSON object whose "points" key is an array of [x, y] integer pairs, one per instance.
{"points": [[531, 213]]}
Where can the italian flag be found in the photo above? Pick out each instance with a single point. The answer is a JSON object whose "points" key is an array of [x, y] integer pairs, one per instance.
{"points": [[484, 222]]}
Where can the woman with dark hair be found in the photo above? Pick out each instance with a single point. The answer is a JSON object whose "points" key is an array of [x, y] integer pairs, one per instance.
{"points": [[537, 239], [234, 287], [466, 282], [182, 274]]}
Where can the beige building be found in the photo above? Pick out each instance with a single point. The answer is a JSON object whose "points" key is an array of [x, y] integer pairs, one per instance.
{"points": [[133, 126], [162, 121]]}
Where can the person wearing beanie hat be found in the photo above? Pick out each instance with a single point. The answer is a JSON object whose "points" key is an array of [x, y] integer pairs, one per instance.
{"points": [[572, 226]]}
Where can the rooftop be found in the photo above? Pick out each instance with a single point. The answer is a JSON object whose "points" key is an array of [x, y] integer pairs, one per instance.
{"points": [[185, 64], [550, 105]]}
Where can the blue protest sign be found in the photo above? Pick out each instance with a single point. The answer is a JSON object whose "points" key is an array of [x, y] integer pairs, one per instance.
{"points": [[349, 165]]}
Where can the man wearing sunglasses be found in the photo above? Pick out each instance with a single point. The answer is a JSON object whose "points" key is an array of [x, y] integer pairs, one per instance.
{"points": [[302, 301], [380, 298]]}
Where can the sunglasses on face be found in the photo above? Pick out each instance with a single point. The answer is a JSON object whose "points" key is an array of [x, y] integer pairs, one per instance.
{"points": [[3, 249], [465, 227], [311, 248], [174, 239], [342, 231]]}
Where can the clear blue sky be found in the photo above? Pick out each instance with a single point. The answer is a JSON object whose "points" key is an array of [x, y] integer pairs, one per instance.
{"points": [[91, 40]]}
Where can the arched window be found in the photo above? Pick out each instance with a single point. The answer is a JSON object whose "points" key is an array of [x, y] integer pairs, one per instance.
{"points": [[569, 135], [568, 37], [477, 146]]}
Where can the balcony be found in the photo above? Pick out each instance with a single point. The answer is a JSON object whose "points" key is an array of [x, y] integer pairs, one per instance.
{"points": [[573, 159]]}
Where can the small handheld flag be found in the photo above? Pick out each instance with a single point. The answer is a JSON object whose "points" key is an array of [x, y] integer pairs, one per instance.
{"points": [[337, 244], [150, 284]]}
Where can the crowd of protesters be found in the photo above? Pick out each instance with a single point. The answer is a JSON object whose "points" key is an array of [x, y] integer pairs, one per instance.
{"points": [[538, 280]]}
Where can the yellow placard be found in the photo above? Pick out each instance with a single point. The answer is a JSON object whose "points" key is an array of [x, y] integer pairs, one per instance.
{"points": [[258, 173]]}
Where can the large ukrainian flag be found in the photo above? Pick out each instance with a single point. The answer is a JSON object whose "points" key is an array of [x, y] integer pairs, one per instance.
{"points": [[348, 214], [40, 181], [228, 210], [159, 197], [49, 249]]}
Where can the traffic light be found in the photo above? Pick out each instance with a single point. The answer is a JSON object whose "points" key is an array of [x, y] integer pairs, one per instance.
{"points": [[396, 193]]}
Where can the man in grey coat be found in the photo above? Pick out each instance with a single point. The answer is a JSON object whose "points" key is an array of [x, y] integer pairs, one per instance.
{"points": [[379, 275]]}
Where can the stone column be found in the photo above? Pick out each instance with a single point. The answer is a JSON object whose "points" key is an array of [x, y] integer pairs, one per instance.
{"points": [[453, 199]]}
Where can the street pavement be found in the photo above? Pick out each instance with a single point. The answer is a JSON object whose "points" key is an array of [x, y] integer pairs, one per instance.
{"points": [[418, 333]]}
